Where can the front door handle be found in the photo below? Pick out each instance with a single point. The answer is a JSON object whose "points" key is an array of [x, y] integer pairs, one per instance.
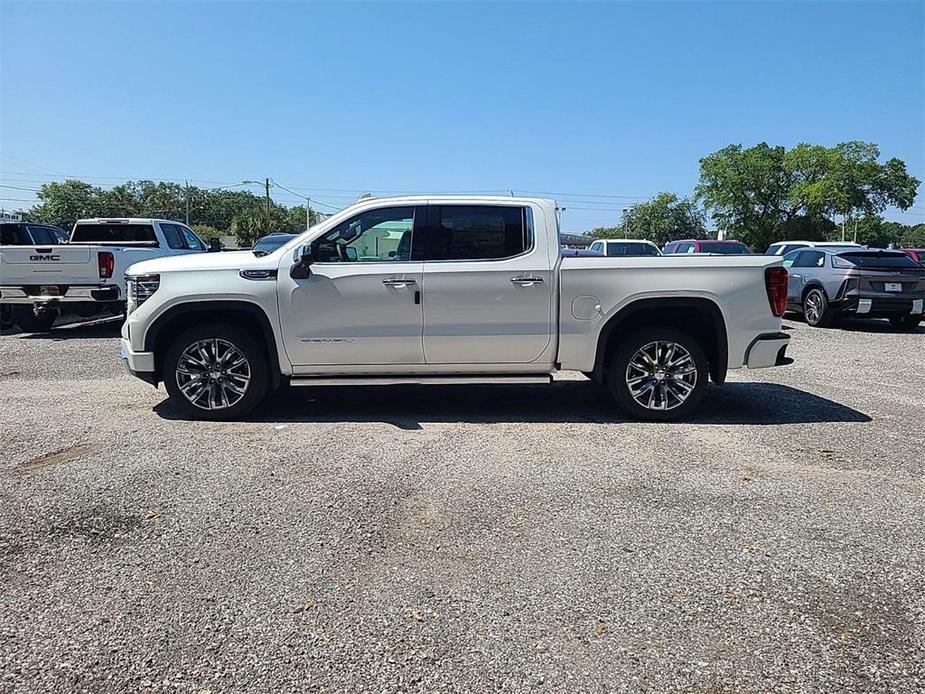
{"points": [[398, 282], [527, 281]]}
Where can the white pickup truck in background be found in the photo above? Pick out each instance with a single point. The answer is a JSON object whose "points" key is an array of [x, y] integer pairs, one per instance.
{"points": [[448, 290], [86, 275]]}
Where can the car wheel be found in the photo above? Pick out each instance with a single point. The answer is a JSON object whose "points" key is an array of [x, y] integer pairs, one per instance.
{"points": [[905, 322], [25, 318], [658, 374], [816, 309], [216, 371], [6, 317]]}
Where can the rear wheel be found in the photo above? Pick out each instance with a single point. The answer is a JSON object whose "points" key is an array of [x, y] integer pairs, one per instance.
{"points": [[658, 374], [905, 322], [216, 371], [816, 310], [26, 319]]}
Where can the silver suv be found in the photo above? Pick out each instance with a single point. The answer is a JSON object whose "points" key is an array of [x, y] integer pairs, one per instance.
{"points": [[826, 283]]}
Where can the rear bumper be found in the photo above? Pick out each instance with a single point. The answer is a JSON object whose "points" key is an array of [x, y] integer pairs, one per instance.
{"points": [[103, 293], [879, 307], [138, 364], [769, 349]]}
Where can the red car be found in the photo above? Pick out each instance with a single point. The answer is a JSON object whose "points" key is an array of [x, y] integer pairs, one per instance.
{"points": [[727, 247], [917, 254]]}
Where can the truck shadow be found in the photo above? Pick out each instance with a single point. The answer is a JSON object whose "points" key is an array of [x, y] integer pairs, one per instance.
{"points": [[84, 330], [564, 402]]}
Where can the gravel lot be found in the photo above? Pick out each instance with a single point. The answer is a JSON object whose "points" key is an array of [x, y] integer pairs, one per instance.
{"points": [[466, 539]]}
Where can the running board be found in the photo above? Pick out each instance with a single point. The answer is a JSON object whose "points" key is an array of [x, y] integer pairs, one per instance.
{"points": [[486, 379]]}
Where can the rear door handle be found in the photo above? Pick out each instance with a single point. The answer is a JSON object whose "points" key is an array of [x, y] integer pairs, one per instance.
{"points": [[398, 282], [527, 281]]}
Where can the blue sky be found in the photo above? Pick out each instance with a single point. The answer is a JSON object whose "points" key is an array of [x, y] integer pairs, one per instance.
{"points": [[602, 104]]}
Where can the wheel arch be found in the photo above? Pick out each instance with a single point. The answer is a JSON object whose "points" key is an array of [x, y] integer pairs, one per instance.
{"points": [[180, 317], [699, 316]]}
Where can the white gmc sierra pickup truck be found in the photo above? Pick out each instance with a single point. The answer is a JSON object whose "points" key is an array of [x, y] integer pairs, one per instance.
{"points": [[85, 275], [448, 290]]}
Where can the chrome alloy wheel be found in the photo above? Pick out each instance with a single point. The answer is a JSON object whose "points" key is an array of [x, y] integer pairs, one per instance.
{"points": [[213, 374], [661, 375], [812, 308]]}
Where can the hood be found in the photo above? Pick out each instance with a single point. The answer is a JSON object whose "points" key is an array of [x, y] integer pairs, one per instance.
{"points": [[226, 260]]}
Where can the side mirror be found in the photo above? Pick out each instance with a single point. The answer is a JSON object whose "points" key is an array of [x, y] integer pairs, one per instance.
{"points": [[215, 244], [301, 270]]}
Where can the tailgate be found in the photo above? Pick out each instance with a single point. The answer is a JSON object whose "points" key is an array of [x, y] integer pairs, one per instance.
{"points": [[23, 265], [885, 283]]}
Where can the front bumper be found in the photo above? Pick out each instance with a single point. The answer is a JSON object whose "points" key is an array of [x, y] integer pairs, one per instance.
{"points": [[769, 349], [138, 364]]}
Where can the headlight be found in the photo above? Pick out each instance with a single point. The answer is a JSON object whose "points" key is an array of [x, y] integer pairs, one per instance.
{"points": [[139, 289]]}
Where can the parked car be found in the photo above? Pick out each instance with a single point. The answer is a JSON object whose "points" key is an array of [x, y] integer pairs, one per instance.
{"points": [[482, 297], [917, 254], [725, 247], [269, 243], [28, 234], [86, 275], [567, 252], [625, 247], [784, 247], [826, 283]]}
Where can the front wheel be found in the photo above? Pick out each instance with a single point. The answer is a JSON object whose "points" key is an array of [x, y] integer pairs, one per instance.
{"points": [[216, 371], [905, 322], [658, 374]]}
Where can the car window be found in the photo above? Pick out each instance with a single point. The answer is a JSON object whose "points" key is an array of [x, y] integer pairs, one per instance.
{"points": [[373, 236], [42, 236], [615, 248], [113, 232], [13, 235], [809, 259], [690, 248], [173, 236], [477, 232], [789, 257], [878, 259], [596, 246], [192, 241]]}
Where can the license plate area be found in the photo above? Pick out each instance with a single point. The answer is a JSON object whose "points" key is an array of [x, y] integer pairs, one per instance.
{"points": [[50, 290]]}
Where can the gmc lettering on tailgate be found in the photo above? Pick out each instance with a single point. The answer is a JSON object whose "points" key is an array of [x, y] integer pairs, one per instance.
{"points": [[53, 258]]}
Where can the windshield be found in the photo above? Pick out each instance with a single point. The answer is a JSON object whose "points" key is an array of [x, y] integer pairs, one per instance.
{"points": [[615, 248], [268, 244]]}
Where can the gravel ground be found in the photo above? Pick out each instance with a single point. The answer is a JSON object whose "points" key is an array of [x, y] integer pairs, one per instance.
{"points": [[465, 539]]}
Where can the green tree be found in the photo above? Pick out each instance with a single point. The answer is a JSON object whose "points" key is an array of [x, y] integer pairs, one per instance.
{"points": [[764, 194], [664, 218], [606, 232], [914, 236]]}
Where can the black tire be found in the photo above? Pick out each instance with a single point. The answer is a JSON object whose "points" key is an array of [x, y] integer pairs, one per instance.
{"points": [[26, 319], [816, 311], [619, 373], [905, 322], [258, 372], [6, 317]]}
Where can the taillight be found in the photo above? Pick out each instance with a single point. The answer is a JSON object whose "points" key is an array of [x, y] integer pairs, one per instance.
{"points": [[107, 264], [775, 281]]}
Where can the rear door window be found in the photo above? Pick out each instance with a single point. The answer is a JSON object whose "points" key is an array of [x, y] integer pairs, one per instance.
{"points": [[615, 249], [809, 259], [114, 232], [476, 232], [173, 236]]}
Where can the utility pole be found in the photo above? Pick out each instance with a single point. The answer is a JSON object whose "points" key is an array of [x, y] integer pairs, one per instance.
{"points": [[187, 203], [267, 184], [308, 213]]}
